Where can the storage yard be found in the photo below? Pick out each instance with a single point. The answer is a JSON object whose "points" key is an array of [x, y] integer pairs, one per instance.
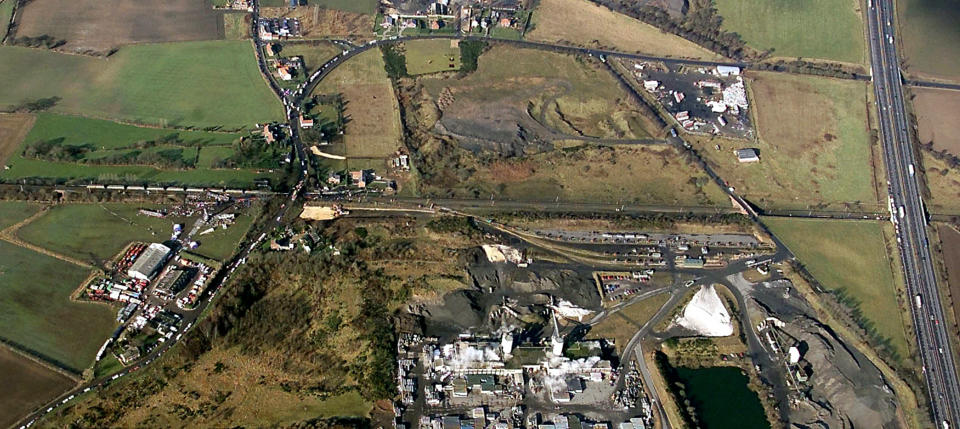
{"points": [[699, 99]]}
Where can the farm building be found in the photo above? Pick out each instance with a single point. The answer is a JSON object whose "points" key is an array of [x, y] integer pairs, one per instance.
{"points": [[149, 262], [728, 71], [747, 155]]}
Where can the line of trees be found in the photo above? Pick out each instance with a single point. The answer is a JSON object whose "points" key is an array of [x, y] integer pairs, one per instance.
{"points": [[57, 150], [700, 25], [814, 68]]}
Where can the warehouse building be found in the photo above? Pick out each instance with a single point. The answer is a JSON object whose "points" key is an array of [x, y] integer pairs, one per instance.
{"points": [[149, 262]]}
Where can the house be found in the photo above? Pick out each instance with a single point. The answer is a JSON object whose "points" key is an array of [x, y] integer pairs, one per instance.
{"points": [[747, 155], [359, 178], [284, 73], [333, 179], [271, 49], [306, 122], [651, 85], [505, 22], [435, 25], [268, 134]]}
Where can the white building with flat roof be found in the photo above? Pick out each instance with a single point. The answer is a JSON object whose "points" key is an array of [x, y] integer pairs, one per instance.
{"points": [[149, 262]]}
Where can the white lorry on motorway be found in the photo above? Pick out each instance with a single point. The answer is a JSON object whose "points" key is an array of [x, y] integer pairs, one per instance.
{"points": [[919, 301]]}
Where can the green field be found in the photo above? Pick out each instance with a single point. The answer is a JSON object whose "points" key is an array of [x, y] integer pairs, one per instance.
{"points": [[314, 53], [105, 138], [12, 212], [36, 311], [431, 56], [102, 134], [235, 26], [80, 230], [222, 243], [814, 149], [198, 84], [374, 129], [6, 12], [850, 256], [930, 35], [358, 6], [823, 29]]}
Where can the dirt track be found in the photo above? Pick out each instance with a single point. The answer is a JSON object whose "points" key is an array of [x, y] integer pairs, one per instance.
{"points": [[100, 25]]}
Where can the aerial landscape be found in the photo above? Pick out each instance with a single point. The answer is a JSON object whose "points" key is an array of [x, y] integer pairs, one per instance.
{"points": [[480, 214]]}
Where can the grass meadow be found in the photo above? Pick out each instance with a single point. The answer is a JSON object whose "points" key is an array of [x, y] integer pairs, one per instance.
{"points": [[368, 7], [618, 175], [431, 56], [6, 12], [373, 118], [222, 243], [108, 138], [314, 53], [852, 257], [192, 84], [80, 230], [12, 212], [814, 149], [622, 325], [36, 311], [821, 29]]}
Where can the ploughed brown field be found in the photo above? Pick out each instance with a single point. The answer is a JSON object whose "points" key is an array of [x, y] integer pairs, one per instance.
{"points": [[26, 385], [13, 128], [100, 25], [936, 111], [950, 242]]}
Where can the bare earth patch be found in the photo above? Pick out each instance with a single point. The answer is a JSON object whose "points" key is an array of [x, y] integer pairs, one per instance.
{"points": [[937, 111], [581, 22], [26, 385], [13, 129], [101, 25]]}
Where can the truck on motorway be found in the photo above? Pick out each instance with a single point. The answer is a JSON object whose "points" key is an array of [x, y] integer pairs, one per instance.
{"points": [[919, 301], [900, 211], [911, 169]]}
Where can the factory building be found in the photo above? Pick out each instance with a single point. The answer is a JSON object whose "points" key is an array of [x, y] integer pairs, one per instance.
{"points": [[149, 262]]}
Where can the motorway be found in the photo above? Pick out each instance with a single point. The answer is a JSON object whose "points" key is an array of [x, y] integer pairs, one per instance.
{"points": [[908, 214]]}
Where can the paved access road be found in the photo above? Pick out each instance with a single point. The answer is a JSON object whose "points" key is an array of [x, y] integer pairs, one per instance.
{"points": [[939, 368]]}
